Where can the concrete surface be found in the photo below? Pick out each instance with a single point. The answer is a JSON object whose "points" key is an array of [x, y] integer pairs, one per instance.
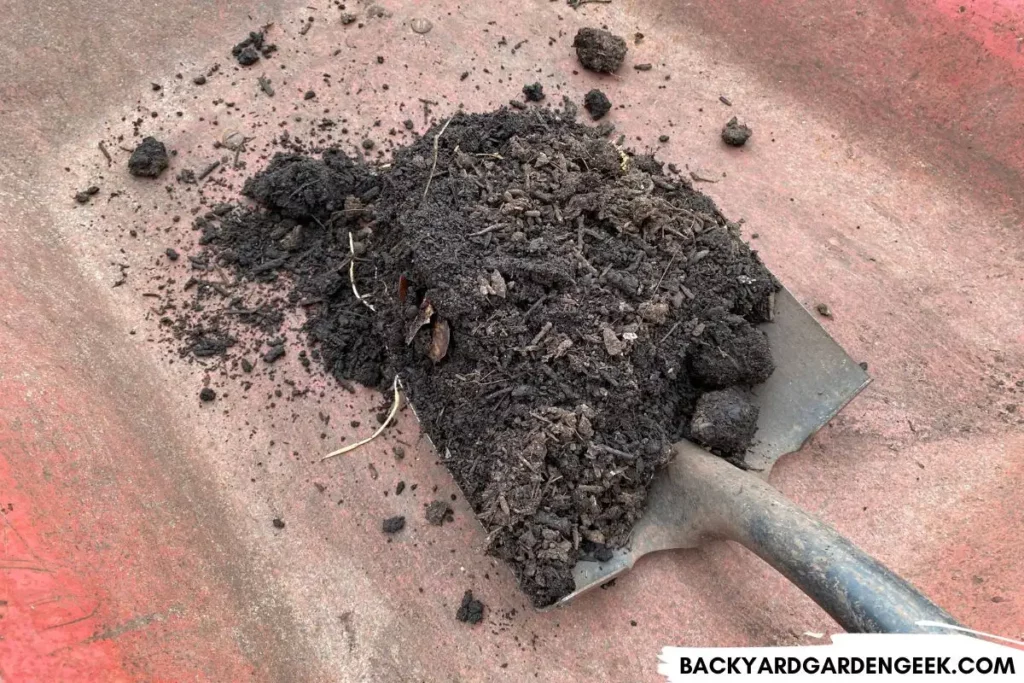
{"points": [[884, 178]]}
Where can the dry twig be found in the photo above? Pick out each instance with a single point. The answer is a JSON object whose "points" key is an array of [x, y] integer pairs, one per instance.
{"points": [[662, 278], [391, 416], [352, 273], [434, 167]]}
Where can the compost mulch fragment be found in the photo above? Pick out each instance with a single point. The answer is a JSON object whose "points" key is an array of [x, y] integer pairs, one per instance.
{"points": [[554, 306]]}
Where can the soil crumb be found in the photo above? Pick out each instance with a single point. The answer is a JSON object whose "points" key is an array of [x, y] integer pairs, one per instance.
{"points": [[471, 611], [392, 525], [207, 394], [533, 92], [554, 305], [597, 104], [735, 133], [439, 512], [85, 195], [599, 50], [725, 421], [149, 159]]}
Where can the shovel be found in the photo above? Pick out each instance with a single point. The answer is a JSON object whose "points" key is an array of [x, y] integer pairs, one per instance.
{"points": [[699, 497]]}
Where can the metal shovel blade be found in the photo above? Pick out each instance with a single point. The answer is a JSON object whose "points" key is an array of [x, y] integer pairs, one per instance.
{"points": [[813, 379]]}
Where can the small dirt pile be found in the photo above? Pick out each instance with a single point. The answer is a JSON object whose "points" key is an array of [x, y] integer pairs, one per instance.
{"points": [[554, 307]]}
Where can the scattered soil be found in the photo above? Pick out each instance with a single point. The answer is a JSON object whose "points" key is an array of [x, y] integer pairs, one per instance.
{"points": [[392, 525], [278, 523], [554, 306], [736, 133], [533, 92], [597, 104], [439, 512], [471, 611], [149, 159], [206, 394], [599, 50], [725, 420]]}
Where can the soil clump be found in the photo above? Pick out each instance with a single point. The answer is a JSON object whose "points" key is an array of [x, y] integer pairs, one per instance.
{"points": [[471, 611], [597, 104], [599, 50], [735, 133], [534, 92], [149, 159]]}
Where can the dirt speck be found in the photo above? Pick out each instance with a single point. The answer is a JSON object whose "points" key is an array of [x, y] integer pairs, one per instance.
{"points": [[392, 525], [533, 92], [273, 354], [207, 394]]}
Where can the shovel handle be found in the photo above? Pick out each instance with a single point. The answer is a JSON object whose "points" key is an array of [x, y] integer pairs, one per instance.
{"points": [[858, 591]]}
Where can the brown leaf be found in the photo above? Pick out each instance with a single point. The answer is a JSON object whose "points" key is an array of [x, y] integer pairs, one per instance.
{"points": [[403, 288], [422, 318], [439, 340]]}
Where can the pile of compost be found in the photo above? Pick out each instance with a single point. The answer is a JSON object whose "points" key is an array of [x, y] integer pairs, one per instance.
{"points": [[553, 306]]}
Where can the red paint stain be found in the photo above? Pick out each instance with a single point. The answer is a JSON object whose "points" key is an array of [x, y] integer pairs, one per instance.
{"points": [[996, 24], [48, 612]]}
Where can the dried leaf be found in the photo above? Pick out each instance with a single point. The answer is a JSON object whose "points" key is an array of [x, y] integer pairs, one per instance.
{"points": [[439, 341], [403, 288], [422, 318]]}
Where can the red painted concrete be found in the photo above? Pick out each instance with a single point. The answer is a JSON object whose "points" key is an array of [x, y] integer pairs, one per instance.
{"points": [[883, 178]]}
